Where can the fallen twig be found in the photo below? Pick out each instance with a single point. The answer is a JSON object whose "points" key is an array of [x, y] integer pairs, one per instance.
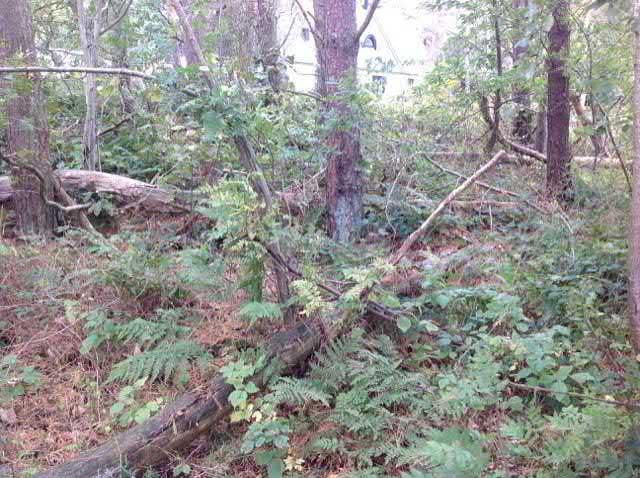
{"points": [[418, 233]]}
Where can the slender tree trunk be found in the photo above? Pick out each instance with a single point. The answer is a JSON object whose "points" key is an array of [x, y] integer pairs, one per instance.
{"points": [[337, 53], [497, 101], [268, 48], [89, 34], [521, 128], [27, 130], [634, 239], [559, 182], [541, 129]]}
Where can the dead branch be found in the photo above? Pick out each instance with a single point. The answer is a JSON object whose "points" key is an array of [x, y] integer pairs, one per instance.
{"points": [[418, 233], [487, 186]]}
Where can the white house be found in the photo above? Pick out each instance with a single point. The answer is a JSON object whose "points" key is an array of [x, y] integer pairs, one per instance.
{"points": [[401, 43]]}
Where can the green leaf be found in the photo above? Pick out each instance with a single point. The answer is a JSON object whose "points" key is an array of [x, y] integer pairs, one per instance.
{"points": [[404, 323], [441, 300], [213, 124], [238, 397]]}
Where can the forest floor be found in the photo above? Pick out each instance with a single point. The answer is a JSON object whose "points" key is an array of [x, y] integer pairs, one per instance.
{"points": [[546, 267]]}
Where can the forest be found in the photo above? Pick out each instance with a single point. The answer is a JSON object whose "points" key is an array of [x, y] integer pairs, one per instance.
{"points": [[319, 238]]}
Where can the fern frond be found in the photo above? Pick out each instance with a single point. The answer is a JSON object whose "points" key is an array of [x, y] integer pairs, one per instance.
{"points": [[164, 361]]}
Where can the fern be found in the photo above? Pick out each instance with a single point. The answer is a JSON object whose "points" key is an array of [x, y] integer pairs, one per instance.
{"points": [[166, 361], [148, 333], [298, 392]]}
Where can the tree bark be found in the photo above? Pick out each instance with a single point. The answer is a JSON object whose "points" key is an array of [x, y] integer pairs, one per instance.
{"points": [[125, 191], [541, 129], [89, 29], [559, 182], [337, 46], [176, 426], [27, 129], [634, 236]]}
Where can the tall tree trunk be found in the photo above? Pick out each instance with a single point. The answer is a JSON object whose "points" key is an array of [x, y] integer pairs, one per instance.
{"points": [[89, 34], [559, 182], [337, 53], [521, 128], [27, 130], [634, 238], [497, 101]]}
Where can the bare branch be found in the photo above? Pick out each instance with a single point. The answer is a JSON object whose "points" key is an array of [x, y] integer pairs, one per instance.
{"points": [[367, 20], [418, 233], [118, 19], [306, 19], [72, 69]]}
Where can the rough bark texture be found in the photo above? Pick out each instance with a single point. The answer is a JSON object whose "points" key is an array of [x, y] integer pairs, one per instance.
{"points": [[125, 191], [634, 239], [27, 130], [337, 52], [179, 423], [521, 128], [559, 183], [89, 33]]}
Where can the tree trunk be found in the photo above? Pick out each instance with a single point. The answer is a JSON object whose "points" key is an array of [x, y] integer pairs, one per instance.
{"points": [[541, 129], [175, 427], [634, 239], [598, 140], [337, 55], [27, 129], [521, 128], [268, 47], [559, 182], [89, 34]]}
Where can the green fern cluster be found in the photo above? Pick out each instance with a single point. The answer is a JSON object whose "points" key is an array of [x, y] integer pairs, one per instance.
{"points": [[373, 412], [164, 354]]}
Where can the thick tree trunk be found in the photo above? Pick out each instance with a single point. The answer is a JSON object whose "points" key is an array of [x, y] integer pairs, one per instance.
{"points": [[521, 128], [337, 55], [27, 129], [634, 237], [176, 426], [559, 182]]}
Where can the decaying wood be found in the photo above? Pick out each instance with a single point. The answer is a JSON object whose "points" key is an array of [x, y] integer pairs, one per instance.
{"points": [[191, 415], [124, 190], [418, 233]]}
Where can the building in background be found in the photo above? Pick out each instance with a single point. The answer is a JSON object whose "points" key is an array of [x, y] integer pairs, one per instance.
{"points": [[401, 43]]}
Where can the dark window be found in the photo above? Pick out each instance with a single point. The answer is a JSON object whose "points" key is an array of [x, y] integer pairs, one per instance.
{"points": [[411, 81], [365, 4], [370, 42], [306, 34], [379, 83]]}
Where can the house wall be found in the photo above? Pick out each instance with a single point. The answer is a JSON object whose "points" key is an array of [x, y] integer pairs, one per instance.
{"points": [[408, 41]]}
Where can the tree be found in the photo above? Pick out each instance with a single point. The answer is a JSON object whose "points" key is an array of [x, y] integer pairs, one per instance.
{"points": [[92, 26], [559, 183], [27, 130], [337, 45], [634, 237]]}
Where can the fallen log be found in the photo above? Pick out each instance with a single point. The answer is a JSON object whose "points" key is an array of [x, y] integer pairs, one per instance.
{"points": [[125, 191], [191, 415]]}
